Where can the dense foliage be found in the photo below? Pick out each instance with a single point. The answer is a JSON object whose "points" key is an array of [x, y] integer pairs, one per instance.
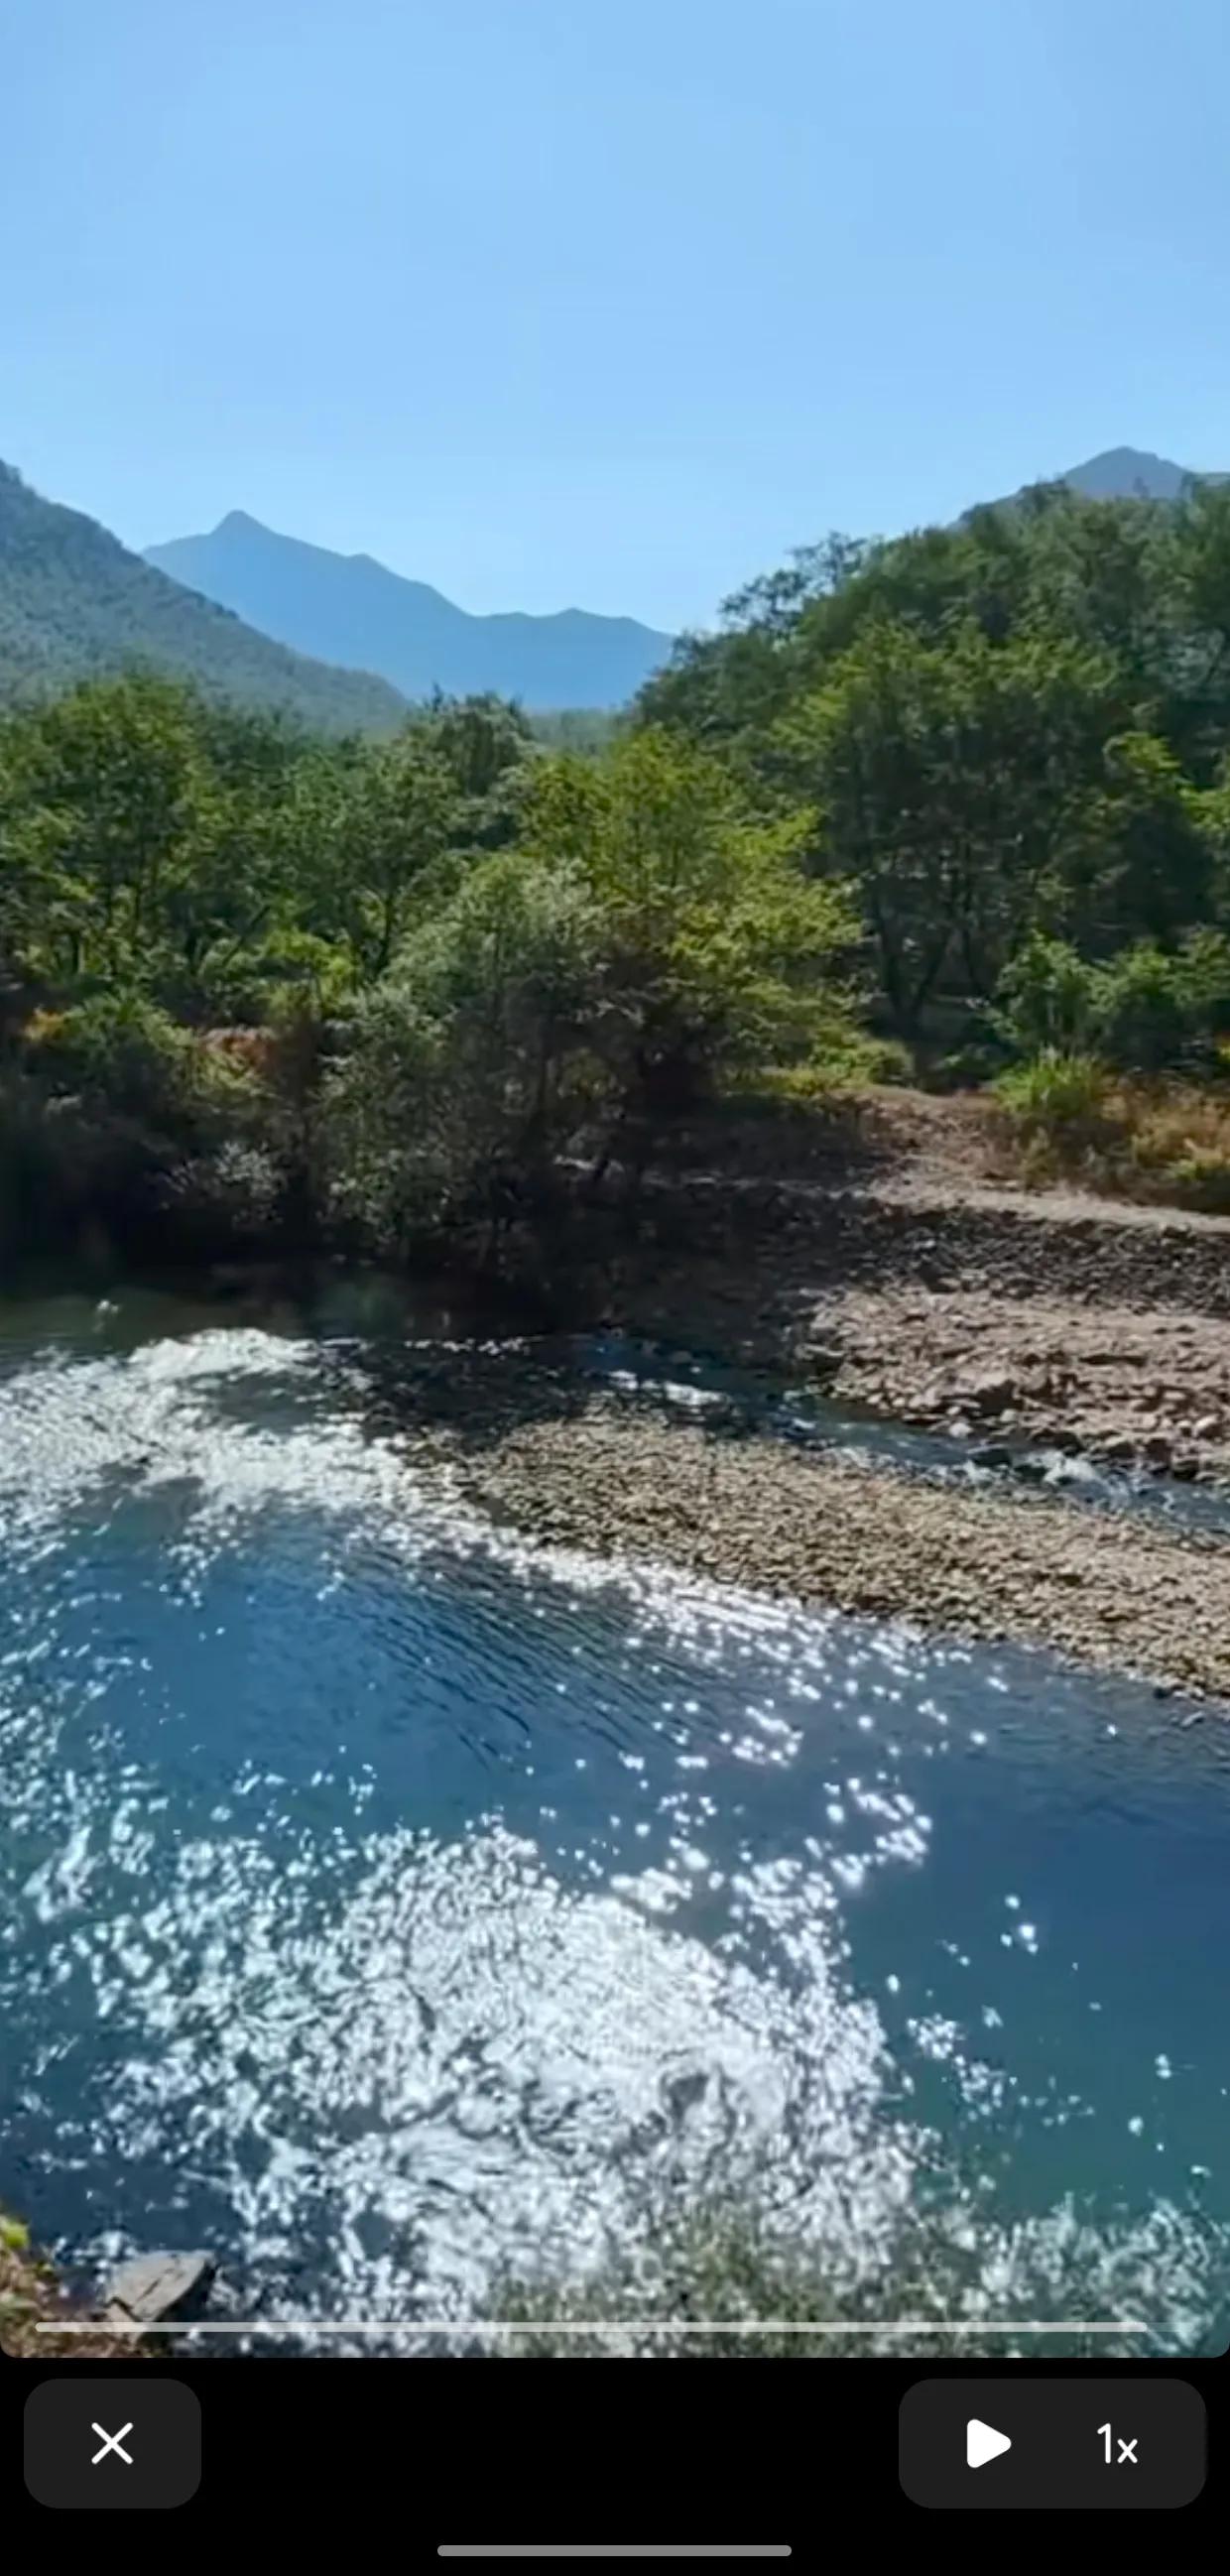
{"points": [[422, 987], [260, 980], [1011, 729]]}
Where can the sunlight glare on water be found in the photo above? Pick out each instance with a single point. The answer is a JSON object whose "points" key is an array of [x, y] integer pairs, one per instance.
{"points": [[384, 1901]]}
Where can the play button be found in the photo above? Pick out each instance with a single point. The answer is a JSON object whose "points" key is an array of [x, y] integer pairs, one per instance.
{"points": [[983, 2443], [1051, 2450]]}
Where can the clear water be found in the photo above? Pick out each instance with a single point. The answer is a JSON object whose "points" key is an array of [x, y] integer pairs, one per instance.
{"points": [[704, 1385], [382, 1902]]}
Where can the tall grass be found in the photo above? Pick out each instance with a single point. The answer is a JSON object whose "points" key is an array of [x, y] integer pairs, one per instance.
{"points": [[1164, 1141]]}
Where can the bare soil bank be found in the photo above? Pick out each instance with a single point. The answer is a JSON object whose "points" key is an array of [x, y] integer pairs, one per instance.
{"points": [[832, 1532]]}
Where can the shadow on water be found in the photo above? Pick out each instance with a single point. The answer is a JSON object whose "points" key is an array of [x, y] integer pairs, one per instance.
{"points": [[445, 1356], [482, 1388]]}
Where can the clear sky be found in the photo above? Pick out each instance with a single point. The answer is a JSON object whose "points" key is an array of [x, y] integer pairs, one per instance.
{"points": [[549, 302]]}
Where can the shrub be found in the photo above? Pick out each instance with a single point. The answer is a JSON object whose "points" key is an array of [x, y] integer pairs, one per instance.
{"points": [[1054, 1094], [108, 1100], [1154, 1008], [1159, 1140], [1201, 1180], [1045, 999], [1179, 1145], [714, 956], [1141, 1009], [1059, 1114], [234, 1196], [1146, 1010], [846, 1060], [118, 1048], [467, 1070]]}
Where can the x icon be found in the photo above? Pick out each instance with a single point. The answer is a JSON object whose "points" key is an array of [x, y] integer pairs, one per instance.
{"points": [[111, 2442]]}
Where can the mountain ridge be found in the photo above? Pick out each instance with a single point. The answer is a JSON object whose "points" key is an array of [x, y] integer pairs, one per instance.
{"points": [[75, 602], [341, 607]]}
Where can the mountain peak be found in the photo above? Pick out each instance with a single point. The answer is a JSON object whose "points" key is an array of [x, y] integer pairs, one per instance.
{"points": [[353, 610], [1129, 473], [239, 523]]}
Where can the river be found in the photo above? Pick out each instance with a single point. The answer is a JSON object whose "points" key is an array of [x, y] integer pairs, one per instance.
{"points": [[385, 1904]]}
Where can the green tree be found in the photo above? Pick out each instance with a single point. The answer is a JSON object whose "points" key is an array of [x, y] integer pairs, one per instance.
{"points": [[650, 941], [718, 953], [1147, 861], [950, 781], [109, 800], [467, 1070], [394, 810]]}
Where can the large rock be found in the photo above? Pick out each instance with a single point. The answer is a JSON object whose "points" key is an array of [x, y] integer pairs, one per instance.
{"points": [[156, 2287], [986, 1390]]}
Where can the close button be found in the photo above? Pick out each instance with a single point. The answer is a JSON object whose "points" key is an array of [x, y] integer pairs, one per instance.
{"points": [[103, 2444]]}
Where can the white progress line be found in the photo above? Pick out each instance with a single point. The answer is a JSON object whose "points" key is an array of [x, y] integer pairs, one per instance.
{"points": [[457, 2327]]}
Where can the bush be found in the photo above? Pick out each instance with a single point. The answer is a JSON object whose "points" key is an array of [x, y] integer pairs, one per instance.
{"points": [[1141, 1010], [106, 1103], [1201, 1180], [1146, 1010], [1154, 1009], [467, 1071], [1159, 1140], [650, 948], [1054, 1094], [846, 1061], [118, 1048], [1044, 999], [714, 955], [1179, 1145], [235, 1196], [1060, 1115]]}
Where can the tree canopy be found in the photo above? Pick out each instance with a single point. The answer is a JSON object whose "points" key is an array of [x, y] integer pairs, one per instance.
{"points": [[970, 791]]}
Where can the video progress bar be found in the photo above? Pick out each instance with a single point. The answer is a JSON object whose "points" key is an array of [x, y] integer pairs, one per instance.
{"points": [[612, 2549]]}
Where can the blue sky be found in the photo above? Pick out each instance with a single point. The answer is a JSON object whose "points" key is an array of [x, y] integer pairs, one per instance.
{"points": [[555, 303]]}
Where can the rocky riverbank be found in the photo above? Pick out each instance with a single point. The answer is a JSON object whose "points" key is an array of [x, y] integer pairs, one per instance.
{"points": [[1141, 1389], [841, 1534], [926, 1292]]}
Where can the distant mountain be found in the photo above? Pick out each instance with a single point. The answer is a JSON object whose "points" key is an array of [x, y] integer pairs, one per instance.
{"points": [[1133, 474], [352, 610], [74, 603]]}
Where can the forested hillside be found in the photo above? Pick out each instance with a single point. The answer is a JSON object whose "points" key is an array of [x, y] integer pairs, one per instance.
{"points": [[75, 602], [1010, 730], [957, 806]]}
